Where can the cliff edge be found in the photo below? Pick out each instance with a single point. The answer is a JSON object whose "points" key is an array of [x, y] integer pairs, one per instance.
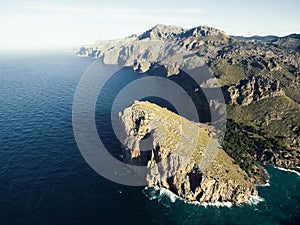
{"points": [[178, 158]]}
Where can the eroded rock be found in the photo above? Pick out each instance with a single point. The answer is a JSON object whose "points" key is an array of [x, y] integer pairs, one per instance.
{"points": [[253, 88], [177, 156]]}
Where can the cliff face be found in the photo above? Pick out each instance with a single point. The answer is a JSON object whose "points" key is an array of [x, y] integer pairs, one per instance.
{"points": [[285, 159], [177, 157], [253, 88]]}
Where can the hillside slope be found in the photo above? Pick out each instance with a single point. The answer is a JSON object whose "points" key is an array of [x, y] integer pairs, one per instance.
{"points": [[260, 81], [178, 156]]}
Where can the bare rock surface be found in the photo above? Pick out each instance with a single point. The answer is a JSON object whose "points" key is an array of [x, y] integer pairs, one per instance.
{"points": [[177, 156], [254, 88]]}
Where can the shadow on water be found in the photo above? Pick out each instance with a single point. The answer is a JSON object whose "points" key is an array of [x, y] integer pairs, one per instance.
{"points": [[45, 180], [127, 75]]}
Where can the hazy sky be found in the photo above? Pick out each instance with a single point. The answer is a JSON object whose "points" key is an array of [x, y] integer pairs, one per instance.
{"points": [[63, 24]]}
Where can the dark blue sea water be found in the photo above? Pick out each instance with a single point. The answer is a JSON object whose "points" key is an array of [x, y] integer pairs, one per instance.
{"points": [[45, 180]]}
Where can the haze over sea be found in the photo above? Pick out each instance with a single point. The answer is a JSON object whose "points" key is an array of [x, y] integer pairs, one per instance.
{"points": [[45, 180]]}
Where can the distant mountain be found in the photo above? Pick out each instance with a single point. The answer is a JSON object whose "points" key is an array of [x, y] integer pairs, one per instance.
{"points": [[161, 32], [151, 45], [291, 42], [268, 38]]}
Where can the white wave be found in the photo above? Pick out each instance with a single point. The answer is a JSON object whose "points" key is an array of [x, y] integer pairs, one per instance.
{"points": [[287, 170], [159, 193], [254, 200], [214, 204], [171, 195]]}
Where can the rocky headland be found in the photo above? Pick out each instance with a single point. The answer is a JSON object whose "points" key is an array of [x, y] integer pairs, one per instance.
{"points": [[177, 156], [260, 80]]}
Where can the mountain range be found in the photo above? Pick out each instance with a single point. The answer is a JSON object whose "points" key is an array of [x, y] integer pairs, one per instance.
{"points": [[259, 77]]}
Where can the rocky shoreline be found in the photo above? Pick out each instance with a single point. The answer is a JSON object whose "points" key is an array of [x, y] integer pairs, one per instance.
{"points": [[163, 193], [174, 164]]}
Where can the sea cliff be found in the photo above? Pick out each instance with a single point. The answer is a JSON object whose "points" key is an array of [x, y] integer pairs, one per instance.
{"points": [[177, 156]]}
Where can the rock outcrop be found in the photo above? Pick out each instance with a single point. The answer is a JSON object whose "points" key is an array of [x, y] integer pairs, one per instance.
{"points": [[177, 156], [288, 160], [160, 69], [290, 42], [253, 88]]}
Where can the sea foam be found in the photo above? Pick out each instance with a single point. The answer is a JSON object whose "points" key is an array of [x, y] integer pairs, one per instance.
{"points": [[255, 199], [166, 197], [287, 170]]}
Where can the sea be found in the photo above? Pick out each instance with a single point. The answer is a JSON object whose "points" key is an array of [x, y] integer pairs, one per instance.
{"points": [[44, 180]]}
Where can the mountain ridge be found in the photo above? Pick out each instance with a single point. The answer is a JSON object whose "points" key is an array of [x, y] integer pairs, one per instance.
{"points": [[260, 81]]}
